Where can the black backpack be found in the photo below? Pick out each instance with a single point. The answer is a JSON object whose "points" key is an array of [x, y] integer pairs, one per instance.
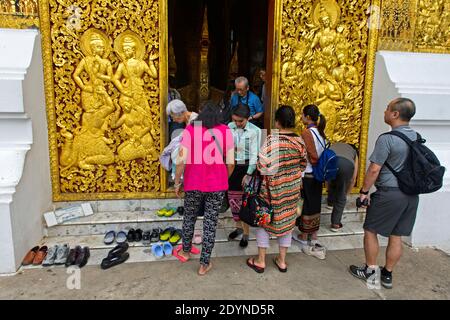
{"points": [[422, 172]]}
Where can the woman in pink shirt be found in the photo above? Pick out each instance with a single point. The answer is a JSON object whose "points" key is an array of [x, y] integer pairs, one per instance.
{"points": [[206, 158]]}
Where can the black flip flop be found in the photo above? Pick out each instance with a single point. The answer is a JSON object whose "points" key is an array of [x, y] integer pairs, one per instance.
{"points": [[109, 262], [279, 268], [253, 266], [118, 250]]}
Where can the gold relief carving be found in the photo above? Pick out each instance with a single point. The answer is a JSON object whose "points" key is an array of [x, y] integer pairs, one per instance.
{"points": [[433, 23], [103, 79], [19, 14], [327, 57], [323, 53], [415, 25]]}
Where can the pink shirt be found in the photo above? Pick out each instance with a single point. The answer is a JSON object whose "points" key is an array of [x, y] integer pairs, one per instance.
{"points": [[205, 169]]}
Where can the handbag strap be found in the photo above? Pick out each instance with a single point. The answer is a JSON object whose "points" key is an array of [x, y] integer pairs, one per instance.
{"points": [[211, 132]]}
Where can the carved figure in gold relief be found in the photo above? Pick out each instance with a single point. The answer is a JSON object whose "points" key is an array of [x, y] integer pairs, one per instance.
{"points": [[129, 75], [346, 75], [95, 45], [326, 38], [136, 123], [30, 7], [22, 8], [12, 6], [328, 97], [88, 145], [292, 69]]}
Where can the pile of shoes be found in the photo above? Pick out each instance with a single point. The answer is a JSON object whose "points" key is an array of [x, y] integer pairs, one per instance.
{"points": [[57, 255], [168, 238], [116, 256]]}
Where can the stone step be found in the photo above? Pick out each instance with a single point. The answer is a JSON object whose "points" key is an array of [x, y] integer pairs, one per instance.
{"points": [[101, 222], [350, 237], [95, 241]]}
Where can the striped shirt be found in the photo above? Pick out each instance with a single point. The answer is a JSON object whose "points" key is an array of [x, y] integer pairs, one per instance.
{"points": [[282, 161]]}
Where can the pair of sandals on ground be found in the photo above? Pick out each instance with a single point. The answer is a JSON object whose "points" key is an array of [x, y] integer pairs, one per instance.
{"points": [[116, 256]]}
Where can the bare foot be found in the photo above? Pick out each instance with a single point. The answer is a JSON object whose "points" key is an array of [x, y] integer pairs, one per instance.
{"points": [[204, 269], [259, 264], [281, 265]]}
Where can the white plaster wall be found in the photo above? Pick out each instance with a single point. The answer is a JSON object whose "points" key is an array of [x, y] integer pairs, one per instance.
{"points": [[33, 193], [425, 79]]}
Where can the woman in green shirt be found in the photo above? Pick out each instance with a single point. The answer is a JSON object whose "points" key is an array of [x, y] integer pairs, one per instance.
{"points": [[247, 141]]}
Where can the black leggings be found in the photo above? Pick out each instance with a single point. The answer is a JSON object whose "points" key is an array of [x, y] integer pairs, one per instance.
{"points": [[192, 202]]}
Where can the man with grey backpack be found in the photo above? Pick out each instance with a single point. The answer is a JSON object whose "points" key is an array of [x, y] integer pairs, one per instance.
{"points": [[399, 166]]}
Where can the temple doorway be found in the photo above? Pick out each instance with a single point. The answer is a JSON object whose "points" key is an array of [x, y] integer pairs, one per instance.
{"points": [[211, 42]]}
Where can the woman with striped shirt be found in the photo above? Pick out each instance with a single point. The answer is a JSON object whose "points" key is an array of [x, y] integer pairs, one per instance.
{"points": [[282, 161]]}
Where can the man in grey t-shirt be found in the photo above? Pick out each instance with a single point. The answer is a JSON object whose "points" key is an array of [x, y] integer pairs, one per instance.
{"points": [[391, 212]]}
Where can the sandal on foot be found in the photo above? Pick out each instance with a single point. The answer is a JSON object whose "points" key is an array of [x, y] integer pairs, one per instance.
{"points": [[251, 264], [176, 252], [278, 266], [206, 270]]}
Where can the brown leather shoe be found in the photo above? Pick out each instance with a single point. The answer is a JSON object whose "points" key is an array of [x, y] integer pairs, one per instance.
{"points": [[40, 255], [29, 257]]}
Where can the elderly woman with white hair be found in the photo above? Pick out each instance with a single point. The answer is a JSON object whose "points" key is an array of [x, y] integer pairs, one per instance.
{"points": [[177, 111]]}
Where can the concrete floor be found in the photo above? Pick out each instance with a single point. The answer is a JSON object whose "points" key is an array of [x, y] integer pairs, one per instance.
{"points": [[423, 274]]}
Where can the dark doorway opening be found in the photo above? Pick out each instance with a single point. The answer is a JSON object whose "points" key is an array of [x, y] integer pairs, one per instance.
{"points": [[211, 42]]}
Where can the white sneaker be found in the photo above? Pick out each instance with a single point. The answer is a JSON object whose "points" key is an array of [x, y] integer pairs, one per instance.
{"points": [[317, 251]]}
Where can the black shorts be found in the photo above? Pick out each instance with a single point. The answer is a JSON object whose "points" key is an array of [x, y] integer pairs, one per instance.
{"points": [[391, 212]]}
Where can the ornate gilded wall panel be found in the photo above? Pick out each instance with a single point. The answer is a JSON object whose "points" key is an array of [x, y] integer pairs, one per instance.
{"points": [[415, 25], [19, 14], [327, 58], [103, 77]]}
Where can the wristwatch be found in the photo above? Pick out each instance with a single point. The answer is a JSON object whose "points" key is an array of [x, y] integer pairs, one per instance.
{"points": [[363, 192]]}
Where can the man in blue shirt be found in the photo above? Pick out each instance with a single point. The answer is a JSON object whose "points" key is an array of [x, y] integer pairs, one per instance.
{"points": [[246, 97]]}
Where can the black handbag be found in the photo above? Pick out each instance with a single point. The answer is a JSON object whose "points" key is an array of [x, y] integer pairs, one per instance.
{"points": [[255, 211]]}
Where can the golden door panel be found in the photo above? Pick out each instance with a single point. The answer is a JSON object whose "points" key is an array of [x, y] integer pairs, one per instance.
{"points": [[327, 55], [103, 77], [415, 25]]}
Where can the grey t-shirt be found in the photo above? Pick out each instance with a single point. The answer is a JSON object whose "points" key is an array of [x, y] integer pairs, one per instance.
{"points": [[393, 150], [344, 150]]}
